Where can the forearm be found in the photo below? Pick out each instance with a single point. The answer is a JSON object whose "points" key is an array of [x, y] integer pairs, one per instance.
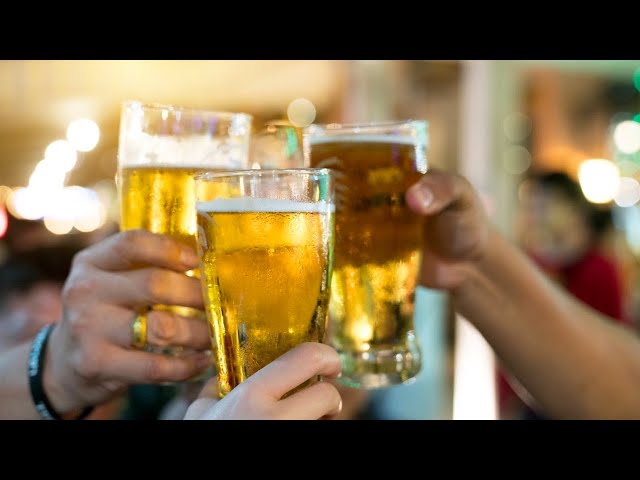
{"points": [[15, 399], [575, 362]]}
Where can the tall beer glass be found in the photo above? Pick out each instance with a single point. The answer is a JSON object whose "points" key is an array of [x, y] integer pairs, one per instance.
{"points": [[161, 148], [377, 246], [265, 243]]}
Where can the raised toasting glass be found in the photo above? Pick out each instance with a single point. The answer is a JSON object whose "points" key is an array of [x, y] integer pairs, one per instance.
{"points": [[265, 243], [378, 243], [161, 149]]}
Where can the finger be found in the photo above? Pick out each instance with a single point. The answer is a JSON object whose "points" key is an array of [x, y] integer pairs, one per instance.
{"points": [[136, 367], [164, 329], [437, 191], [134, 248], [295, 367], [198, 408], [319, 400], [151, 286]]}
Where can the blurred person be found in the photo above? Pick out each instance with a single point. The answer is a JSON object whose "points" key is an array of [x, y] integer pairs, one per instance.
{"points": [[83, 361], [574, 361], [563, 233], [30, 291]]}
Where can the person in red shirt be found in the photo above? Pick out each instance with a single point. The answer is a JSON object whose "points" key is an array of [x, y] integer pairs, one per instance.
{"points": [[563, 233]]}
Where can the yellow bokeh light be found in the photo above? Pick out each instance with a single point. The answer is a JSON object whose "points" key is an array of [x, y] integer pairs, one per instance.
{"points": [[599, 180], [83, 134], [59, 226], [301, 112]]}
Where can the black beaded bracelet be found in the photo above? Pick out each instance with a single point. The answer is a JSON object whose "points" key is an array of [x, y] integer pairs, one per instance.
{"points": [[36, 370]]}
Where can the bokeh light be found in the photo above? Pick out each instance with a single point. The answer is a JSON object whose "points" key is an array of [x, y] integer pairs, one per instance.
{"points": [[83, 134], [58, 226], [61, 155], [516, 160], [4, 193], [29, 203], [4, 221], [599, 180], [628, 192], [517, 126], [47, 175], [301, 112], [627, 136]]}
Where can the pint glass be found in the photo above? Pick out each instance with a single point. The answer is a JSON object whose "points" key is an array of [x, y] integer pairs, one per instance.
{"points": [[265, 243], [377, 252], [161, 148]]}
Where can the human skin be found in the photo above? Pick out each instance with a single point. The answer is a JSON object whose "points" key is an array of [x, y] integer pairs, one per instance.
{"points": [[575, 362]]}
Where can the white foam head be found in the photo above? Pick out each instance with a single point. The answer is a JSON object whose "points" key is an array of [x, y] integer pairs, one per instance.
{"points": [[195, 151], [266, 205], [402, 140]]}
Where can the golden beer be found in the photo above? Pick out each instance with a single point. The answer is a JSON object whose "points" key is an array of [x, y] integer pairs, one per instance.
{"points": [[377, 256], [161, 200], [266, 266]]}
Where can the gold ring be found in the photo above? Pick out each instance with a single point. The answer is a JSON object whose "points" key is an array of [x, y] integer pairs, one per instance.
{"points": [[139, 330]]}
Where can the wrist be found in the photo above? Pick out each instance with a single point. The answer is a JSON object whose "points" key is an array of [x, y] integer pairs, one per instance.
{"points": [[60, 396]]}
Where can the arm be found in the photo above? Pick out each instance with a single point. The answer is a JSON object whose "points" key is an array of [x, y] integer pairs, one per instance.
{"points": [[575, 362]]}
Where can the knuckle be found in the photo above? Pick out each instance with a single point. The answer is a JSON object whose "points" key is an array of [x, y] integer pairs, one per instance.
{"points": [[129, 240], [163, 328], [79, 286], [156, 282], [328, 393], [315, 354], [155, 369]]}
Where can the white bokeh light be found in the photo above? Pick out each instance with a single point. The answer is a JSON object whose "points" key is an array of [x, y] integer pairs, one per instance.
{"points": [[83, 134], [301, 112], [627, 136], [47, 175], [599, 180], [29, 203], [628, 192], [61, 155]]}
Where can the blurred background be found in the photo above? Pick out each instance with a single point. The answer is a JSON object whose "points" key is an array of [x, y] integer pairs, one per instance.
{"points": [[554, 147]]}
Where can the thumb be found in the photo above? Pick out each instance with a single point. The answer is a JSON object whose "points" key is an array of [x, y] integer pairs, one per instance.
{"points": [[437, 191]]}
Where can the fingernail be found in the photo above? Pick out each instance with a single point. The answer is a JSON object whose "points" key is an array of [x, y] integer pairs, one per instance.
{"points": [[189, 257], [425, 196], [339, 375]]}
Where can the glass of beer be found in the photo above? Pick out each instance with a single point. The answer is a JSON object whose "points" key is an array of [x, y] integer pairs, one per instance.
{"points": [[161, 149], [378, 243], [265, 243]]}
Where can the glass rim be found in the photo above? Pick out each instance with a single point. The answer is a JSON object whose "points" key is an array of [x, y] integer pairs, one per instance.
{"points": [[155, 106], [338, 127], [255, 172]]}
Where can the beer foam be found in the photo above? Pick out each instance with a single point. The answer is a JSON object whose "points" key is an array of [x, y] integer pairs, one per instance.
{"points": [[262, 205], [195, 151], [402, 140]]}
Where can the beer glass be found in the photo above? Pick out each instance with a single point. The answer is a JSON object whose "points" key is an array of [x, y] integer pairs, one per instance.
{"points": [[265, 243], [378, 241], [161, 148]]}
